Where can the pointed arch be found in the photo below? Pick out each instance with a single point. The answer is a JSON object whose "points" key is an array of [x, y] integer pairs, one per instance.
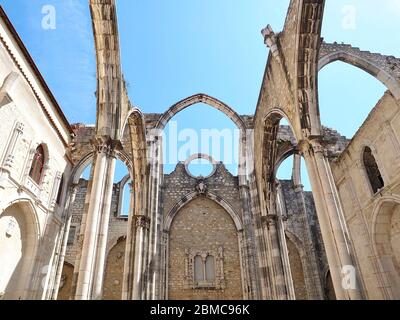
{"points": [[200, 98], [211, 196], [376, 65]]}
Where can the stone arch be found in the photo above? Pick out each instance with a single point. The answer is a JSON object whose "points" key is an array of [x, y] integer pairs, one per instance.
{"points": [[298, 265], [194, 195], [110, 84], [136, 147], [200, 98], [218, 105], [371, 63], [271, 154], [20, 234], [386, 243]]}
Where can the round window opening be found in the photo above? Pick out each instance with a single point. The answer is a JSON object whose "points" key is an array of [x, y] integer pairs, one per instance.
{"points": [[200, 168]]}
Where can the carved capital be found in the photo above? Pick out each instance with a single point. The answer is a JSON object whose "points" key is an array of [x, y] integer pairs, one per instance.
{"points": [[19, 127], [142, 222], [314, 144], [269, 220], [9, 161], [74, 188], [107, 146]]}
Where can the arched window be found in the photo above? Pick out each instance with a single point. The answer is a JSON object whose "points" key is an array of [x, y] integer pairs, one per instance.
{"points": [[210, 269], [198, 269], [37, 167], [204, 271], [374, 175]]}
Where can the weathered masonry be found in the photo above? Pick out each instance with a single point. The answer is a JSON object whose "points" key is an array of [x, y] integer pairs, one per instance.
{"points": [[223, 236]]}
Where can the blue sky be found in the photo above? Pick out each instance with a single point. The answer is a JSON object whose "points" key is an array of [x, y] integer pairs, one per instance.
{"points": [[172, 49]]}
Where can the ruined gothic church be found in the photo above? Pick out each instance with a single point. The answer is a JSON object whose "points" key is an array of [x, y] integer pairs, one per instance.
{"points": [[249, 236]]}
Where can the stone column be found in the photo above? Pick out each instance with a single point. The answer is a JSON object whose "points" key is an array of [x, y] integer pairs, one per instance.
{"points": [[93, 218], [296, 173], [270, 231], [98, 276], [153, 243], [330, 216], [249, 242], [55, 190], [81, 235], [64, 241], [9, 155], [281, 216], [130, 249], [142, 227]]}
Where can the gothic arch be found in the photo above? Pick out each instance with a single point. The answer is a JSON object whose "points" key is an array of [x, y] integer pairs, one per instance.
{"points": [[22, 233], [200, 98], [136, 145], [110, 86], [194, 195], [373, 64], [270, 151], [386, 208], [308, 36]]}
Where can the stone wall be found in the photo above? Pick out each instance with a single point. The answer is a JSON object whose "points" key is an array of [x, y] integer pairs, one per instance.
{"points": [[203, 226], [367, 213]]}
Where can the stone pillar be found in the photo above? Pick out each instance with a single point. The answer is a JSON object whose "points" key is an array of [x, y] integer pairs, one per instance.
{"points": [[153, 244], [9, 155], [142, 227], [82, 228], [249, 239], [55, 190], [330, 216], [296, 173], [270, 232], [64, 241], [93, 219], [98, 276], [130, 249], [281, 216]]}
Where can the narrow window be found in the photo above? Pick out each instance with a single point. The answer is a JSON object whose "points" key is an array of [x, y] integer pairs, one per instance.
{"points": [[60, 190], [37, 165], [71, 236], [198, 269], [374, 175], [210, 269]]}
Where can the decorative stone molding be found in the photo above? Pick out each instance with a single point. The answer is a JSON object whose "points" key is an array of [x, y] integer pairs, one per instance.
{"points": [[219, 276], [271, 41], [9, 156], [108, 146], [201, 187], [269, 220], [142, 222]]}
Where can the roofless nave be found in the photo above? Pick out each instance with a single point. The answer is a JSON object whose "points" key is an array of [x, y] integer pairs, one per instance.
{"points": [[249, 236]]}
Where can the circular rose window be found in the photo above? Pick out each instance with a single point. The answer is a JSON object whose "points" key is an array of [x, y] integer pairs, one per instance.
{"points": [[200, 166]]}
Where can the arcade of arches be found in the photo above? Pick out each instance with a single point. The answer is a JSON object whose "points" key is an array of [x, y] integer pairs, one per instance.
{"points": [[66, 235]]}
